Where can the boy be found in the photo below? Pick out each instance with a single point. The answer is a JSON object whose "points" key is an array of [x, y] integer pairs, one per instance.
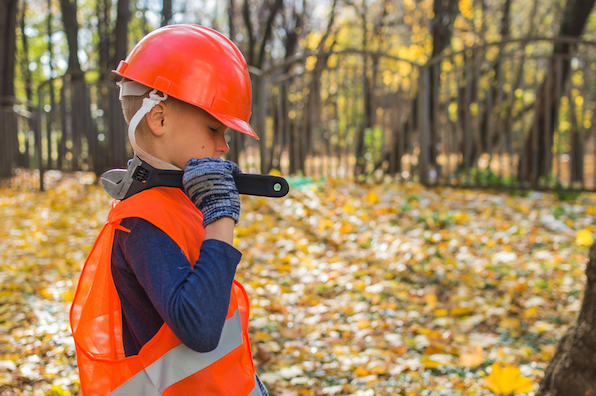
{"points": [[157, 310]]}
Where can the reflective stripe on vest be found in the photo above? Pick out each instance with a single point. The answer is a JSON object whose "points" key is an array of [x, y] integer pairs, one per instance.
{"points": [[181, 362]]}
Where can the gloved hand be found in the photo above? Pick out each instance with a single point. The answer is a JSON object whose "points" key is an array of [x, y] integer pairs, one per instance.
{"points": [[209, 184]]}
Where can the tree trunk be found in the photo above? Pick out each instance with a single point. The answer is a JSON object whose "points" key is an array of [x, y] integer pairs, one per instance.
{"points": [[143, 10], [273, 10], [79, 95], [8, 21], [368, 87], [71, 27], [260, 36], [572, 371], [249, 29], [293, 32], [506, 135], [359, 167], [24, 160], [232, 26], [8, 126], [314, 96], [535, 156], [113, 150], [25, 61], [441, 28], [104, 32], [488, 142], [166, 12], [296, 139], [121, 32], [50, 118]]}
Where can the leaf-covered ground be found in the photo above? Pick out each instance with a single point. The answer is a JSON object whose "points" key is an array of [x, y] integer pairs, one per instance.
{"points": [[355, 289]]}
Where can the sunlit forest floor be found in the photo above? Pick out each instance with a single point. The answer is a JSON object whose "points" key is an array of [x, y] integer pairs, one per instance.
{"points": [[388, 289]]}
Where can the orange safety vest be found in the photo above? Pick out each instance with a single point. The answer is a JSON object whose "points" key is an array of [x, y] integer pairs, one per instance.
{"points": [[164, 366]]}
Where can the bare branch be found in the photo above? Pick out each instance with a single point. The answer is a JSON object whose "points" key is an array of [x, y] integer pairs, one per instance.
{"points": [[273, 10], [249, 28], [329, 26]]}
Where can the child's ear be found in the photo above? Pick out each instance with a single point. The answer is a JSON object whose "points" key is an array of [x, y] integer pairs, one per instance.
{"points": [[156, 119]]}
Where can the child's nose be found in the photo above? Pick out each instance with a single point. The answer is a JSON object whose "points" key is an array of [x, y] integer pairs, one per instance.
{"points": [[222, 144]]}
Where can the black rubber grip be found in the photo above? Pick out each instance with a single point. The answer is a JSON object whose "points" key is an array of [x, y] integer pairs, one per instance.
{"points": [[261, 185]]}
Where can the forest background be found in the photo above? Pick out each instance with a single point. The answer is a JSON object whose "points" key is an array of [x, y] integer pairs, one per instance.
{"points": [[266, 31]]}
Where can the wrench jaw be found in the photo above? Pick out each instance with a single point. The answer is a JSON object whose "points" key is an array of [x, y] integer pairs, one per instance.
{"points": [[112, 181], [118, 182]]}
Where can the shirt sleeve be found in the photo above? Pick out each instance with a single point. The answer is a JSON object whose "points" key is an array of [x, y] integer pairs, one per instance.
{"points": [[193, 302]]}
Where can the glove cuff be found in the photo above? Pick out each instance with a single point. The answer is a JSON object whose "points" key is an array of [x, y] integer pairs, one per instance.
{"points": [[217, 210]]}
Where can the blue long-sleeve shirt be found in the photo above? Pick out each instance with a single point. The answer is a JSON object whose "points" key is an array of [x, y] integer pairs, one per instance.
{"points": [[155, 282]]}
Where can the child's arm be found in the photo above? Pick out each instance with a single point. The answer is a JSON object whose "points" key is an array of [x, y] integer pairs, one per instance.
{"points": [[222, 230], [155, 282]]}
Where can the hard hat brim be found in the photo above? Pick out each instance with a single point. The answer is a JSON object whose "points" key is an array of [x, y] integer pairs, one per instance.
{"points": [[234, 123]]}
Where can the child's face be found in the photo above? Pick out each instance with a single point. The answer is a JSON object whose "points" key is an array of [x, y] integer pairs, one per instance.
{"points": [[190, 132]]}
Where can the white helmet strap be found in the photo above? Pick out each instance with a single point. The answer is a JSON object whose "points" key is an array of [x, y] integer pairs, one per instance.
{"points": [[132, 88]]}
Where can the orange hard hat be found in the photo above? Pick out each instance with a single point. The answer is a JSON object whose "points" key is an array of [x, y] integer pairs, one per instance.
{"points": [[197, 65]]}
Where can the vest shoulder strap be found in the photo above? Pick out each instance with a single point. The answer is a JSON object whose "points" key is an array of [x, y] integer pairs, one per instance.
{"points": [[170, 210]]}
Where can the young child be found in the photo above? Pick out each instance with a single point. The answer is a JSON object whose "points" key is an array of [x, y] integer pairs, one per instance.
{"points": [[157, 310]]}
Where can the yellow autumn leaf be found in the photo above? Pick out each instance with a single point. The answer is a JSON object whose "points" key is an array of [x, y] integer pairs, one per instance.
{"points": [[325, 224], [591, 210], [338, 351], [507, 380], [346, 228], [380, 370], [441, 312], [372, 198], [262, 336], [473, 359], [348, 208], [509, 323], [67, 296], [466, 8], [275, 172], [363, 323], [461, 311], [5, 379], [530, 312], [429, 363], [361, 371], [584, 238], [431, 300], [57, 390], [547, 352], [460, 217]]}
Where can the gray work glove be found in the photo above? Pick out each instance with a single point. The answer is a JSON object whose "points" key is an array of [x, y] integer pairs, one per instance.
{"points": [[209, 184]]}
